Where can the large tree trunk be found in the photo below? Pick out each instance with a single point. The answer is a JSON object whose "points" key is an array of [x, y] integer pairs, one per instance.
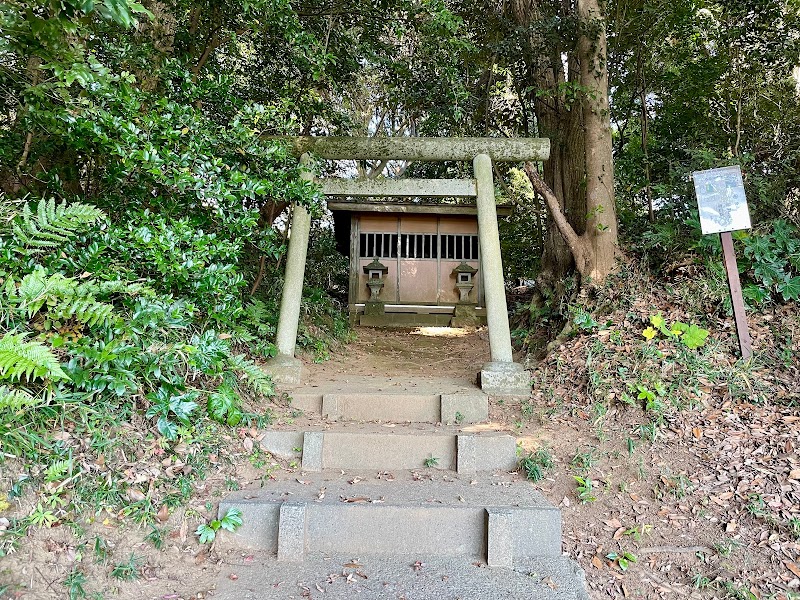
{"points": [[562, 122], [601, 223], [578, 180]]}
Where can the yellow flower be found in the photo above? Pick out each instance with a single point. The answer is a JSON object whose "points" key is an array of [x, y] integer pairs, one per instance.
{"points": [[649, 333]]}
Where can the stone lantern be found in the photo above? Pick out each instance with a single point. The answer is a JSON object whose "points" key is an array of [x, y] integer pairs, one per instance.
{"points": [[465, 281], [464, 314], [376, 273]]}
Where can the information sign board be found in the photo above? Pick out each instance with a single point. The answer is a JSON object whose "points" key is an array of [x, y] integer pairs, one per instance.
{"points": [[721, 200], [723, 208]]}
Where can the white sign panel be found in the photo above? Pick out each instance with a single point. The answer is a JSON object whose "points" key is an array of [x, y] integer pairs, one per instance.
{"points": [[721, 200]]}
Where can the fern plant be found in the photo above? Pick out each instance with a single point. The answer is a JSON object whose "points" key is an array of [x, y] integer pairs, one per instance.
{"points": [[256, 379], [53, 224], [16, 399], [29, 359], [65, 298]]}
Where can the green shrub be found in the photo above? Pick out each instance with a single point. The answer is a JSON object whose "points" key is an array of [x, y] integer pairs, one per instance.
{"points": [[772, 262], [536, 464], [105, 342]]}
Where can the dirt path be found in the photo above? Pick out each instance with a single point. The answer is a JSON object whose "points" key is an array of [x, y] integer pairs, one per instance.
{"points": [[403, 355]]}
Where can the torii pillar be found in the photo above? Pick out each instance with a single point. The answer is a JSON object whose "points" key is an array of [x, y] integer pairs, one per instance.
{"points": [[285, 367], [500, 376]]}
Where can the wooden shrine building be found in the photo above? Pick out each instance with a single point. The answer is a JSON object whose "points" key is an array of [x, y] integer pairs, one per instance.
{"points": [[426, 256]]}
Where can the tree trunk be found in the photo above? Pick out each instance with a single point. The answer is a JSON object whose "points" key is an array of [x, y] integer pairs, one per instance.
{"points": [[564, 174], [561, 120], [578, 179], [601, 223]]}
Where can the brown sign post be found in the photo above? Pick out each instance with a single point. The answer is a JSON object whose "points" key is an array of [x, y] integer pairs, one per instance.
{"points": [[722, 204], [739, 316]]}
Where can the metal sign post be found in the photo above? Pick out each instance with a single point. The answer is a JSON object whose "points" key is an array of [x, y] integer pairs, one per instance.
{"points": [[723, 208]]}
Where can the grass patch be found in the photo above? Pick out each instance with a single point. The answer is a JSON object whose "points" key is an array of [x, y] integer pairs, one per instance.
{"points": [[535, 465]]}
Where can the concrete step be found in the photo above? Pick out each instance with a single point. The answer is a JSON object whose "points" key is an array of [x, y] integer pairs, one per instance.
{"points": [[343, 577], [385, 450], [406, 320], [464, 407], [496, 519]]}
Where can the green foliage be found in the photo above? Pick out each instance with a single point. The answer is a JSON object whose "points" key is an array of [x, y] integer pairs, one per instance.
{"points": [[431, 461], [254, 377], [681, 128], [156, 537], [536, 464], [64, 297], [793, 525], [115, 337], [582, 319], [128, 570], [91, 345], [74, 583], [522, 232], [101, 550], [170, 407], [223, 406], [42, 516], [232, 520], [30, 360], [774, 262], [16, 399], [52, 225], [179, 258], [639, 531], [652, 398], [583, 460], [691, 336], [585, 489], [623, 558]]}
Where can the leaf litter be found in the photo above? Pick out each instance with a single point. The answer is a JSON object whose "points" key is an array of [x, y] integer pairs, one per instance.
{"points": [[708, 499]]}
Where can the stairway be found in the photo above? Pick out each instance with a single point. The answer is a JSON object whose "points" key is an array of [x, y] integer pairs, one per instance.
{"points": [[396, 498]]}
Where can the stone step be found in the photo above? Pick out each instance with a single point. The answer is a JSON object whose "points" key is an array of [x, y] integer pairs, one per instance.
{"points": [[495, 519], [465, 407], [384, 450], [343, 577], [402, 320]]}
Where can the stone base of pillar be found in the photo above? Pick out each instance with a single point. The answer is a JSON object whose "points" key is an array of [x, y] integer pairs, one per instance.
{"points": [[504, 379], [374, 309], [464, 316], [283, 369]]}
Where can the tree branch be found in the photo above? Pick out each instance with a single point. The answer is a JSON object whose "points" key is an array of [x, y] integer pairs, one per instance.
{"points": [[377, 170], [564, 228], [214, 43], [26, 150], [501, 180]]}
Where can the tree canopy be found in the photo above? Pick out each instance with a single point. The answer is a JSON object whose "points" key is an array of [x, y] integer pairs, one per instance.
{"points": [[162, 116]]}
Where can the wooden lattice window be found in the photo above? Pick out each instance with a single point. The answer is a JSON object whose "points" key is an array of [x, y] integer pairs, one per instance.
{"points": [[418, 245], [460, 247], [377, 245]]}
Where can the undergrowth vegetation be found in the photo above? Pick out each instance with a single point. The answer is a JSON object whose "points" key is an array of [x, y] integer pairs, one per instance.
{"points": [[669, 430], [126, 339], [657, 339]]}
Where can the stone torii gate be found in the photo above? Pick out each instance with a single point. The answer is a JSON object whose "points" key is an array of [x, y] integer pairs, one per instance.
{"points": [[501, 376]]}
